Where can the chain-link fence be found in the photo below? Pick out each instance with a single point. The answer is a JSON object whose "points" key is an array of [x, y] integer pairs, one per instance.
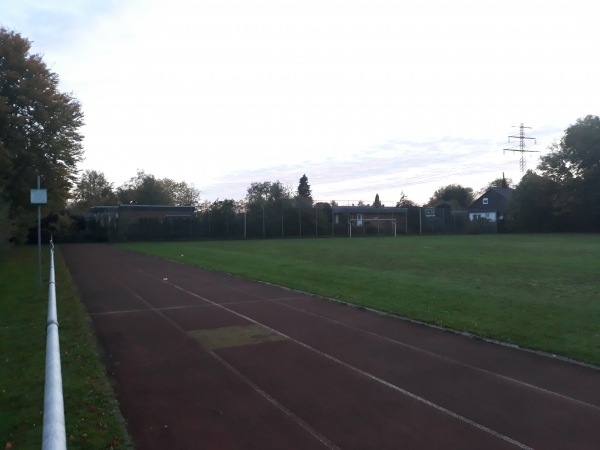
{"points": [[290, 220]]}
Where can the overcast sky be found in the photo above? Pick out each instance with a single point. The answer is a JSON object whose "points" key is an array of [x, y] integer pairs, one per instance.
{"points": [[363, 97]]}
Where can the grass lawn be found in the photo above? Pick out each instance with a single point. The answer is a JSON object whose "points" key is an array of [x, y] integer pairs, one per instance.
{"points": [[536, 291], [91, 414]]}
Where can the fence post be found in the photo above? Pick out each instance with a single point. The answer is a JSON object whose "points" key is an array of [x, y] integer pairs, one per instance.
{"points": [[54, 434]]}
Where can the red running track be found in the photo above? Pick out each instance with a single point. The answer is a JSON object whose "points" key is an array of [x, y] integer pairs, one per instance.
{"points": [[207, 360]]}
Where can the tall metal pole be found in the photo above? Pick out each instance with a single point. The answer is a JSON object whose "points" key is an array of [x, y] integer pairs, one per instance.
{"points": [[39, 211]]}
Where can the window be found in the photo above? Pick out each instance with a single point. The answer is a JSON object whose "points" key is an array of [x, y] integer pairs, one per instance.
{"points": [[485, 200]]}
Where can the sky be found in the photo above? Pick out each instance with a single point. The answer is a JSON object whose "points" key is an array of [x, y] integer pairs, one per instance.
{"points": [[364, 97]]}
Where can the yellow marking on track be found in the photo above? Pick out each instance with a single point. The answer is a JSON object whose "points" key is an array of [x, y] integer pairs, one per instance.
{"points": [[237, 336]]}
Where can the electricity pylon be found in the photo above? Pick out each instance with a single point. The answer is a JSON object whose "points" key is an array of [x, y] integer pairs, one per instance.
{"points": [[521, 147]]}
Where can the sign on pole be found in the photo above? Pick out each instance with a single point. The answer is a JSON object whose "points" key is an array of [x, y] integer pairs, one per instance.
{"points": [[39, 197]]}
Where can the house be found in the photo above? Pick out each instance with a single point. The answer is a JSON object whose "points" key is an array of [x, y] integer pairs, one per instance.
{"points": [[492, 205], [383, 220]]}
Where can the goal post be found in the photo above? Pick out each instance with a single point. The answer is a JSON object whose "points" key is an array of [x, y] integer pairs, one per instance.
{"points": [[361, 222]]}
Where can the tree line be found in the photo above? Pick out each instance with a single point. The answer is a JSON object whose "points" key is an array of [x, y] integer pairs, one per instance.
{"points": [[40, 137]]}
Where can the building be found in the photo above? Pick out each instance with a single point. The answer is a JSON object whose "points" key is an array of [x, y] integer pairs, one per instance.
{"points": [[492, 205], [144, 221]]}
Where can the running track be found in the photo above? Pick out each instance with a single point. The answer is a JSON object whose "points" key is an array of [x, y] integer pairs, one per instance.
{"points": [[204, 360]]}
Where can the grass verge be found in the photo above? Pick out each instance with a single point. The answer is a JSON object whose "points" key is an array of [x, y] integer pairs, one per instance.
{"points": [[535, 291], [91, 413]]}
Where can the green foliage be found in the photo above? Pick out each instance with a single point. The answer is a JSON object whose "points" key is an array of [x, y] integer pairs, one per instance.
{"points": [[579, 149], [93, 189], [145, 189], [574, 164], [5, 233], [181, 192], [266, 192], [514, 288], [530, 203], [565, 196], [38, 131], [304, 189], [405, 202], [376, 202], [224, 217], [453, 195]]}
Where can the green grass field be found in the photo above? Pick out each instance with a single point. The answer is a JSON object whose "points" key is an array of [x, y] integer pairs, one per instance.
{"points": [[91, 414], [536, 291]]}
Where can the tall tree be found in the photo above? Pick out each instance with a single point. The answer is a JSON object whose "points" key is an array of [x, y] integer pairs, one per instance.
{"points": [[266, 191], [574, 164], [530, 207], [181, 192], [93, 189], [304, 188], [39, 130], [454, 195], [376, 202], [577, 154], [144, 189]]}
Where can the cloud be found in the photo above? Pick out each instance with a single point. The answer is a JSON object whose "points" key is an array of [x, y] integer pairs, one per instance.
{"points": [[365, 98]]}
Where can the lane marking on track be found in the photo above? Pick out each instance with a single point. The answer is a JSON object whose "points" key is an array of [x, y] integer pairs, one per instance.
{"points": [[305, 426], [446, 358], [354, 369], [281, 301]]}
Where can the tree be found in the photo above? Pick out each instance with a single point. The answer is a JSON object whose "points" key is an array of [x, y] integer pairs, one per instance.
{"points": [[93, 189], [530, 204], [577, 155], [181, 193], [39, 130], [404, 201], [376, 202], [144, 189], [574, 164], [453, 195], [304, 189], [266, 191]]}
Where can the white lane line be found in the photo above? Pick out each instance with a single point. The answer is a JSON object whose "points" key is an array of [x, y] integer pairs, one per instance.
{"points": [[360, 371], [446, 358], [326, 442], [322, 439]]}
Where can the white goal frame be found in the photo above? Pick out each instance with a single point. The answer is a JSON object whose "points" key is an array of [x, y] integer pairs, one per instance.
{"points": [[369, 220]]}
